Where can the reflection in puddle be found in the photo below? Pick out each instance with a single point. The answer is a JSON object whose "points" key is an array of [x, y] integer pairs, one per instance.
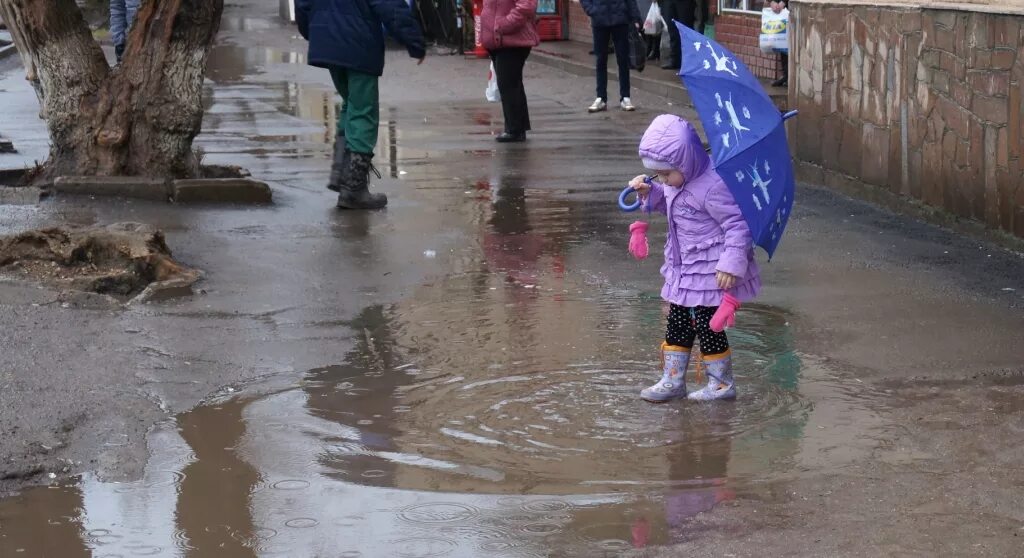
{"points": [[418, 446]]}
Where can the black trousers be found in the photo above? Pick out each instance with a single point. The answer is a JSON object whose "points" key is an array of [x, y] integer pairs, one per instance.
{"points": [[685, 12], [508, 69], [685, 325], [653, 46], [619, 34]]}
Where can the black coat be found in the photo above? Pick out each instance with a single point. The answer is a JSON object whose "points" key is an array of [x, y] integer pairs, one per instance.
{"points": [[349, 33], [608, 13]]}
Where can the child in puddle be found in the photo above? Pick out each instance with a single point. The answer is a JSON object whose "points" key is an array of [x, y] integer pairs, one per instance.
{"points": [[709, 258]]}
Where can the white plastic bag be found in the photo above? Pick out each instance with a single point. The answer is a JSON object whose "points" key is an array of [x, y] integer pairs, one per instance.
{"points": [[654, 24], [774, 31], [491, 92]]}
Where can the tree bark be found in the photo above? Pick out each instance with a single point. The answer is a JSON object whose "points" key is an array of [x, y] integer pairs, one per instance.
{"points": [[136, 119]]}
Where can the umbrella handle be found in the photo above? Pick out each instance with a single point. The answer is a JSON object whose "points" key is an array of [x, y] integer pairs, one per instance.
{"points": [[625, 193], [622, 200], [789, 115]]}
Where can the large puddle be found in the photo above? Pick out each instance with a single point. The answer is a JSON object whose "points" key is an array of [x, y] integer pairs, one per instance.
{"points": [[473, 428]]}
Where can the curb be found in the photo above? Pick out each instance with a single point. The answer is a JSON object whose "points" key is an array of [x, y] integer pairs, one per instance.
{"points": [[12, 176], [199, 190], [123, 186], [221, 190]]}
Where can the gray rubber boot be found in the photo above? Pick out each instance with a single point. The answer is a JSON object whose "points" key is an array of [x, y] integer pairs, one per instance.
{"points": [[721, 384], [339, 164], [672, 384], [355, 185]]}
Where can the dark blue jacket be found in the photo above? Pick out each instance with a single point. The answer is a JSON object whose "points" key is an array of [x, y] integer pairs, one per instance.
{"points": [[349, 34], [607, 13]]}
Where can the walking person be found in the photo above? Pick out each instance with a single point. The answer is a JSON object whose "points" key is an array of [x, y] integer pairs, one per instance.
{"points": [[347, 38], [122, 15], [612, 20], [508, 31]]}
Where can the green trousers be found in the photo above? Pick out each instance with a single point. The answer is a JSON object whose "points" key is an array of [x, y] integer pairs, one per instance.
{"points": [[360, 109]]}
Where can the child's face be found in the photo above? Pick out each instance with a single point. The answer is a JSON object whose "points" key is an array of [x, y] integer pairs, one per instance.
{"points": [[671, 178]]}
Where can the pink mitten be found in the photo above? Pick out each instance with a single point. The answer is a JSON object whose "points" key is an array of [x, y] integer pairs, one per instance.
{"points": [[725, 316], [638, 240]]}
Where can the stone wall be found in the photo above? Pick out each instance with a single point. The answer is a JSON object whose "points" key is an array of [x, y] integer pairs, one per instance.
{"points": [[914, 102]]}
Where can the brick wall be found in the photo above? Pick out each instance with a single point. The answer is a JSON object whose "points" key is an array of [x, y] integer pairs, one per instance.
{"points": [[739, 32], [913, 102], [579, 23]]}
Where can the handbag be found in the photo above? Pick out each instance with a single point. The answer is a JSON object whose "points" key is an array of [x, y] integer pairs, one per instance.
{"points": [[637, 49]]}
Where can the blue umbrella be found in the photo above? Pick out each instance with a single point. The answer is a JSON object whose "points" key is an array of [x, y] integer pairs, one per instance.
{"points": [[746, 134]]}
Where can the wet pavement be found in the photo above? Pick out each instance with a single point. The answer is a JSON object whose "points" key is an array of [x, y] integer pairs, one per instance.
{"points": [[458, 375]]}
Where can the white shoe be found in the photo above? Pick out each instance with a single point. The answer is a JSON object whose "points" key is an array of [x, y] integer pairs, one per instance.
{"points": [[626, 105], [598, 106]]}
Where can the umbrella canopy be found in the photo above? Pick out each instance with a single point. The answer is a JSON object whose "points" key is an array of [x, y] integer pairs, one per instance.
{"points": [[746, 133]]}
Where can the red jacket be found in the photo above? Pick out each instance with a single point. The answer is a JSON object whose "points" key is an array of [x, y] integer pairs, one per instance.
{"points": [[509, 23]]}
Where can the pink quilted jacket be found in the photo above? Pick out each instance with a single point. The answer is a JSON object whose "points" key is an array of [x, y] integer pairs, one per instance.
{"points": [[509, 23]]}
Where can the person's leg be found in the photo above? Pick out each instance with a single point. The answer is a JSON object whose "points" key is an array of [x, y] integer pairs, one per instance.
{"points": [[601, 36], [620, 36], [671, 11], [717, 357], [524, 109], [783, 78], [508, 68], [361, 120], [703, 14], [653, 46], [118, 26], [687, 13], [341, 154], [675, 351], [505, 74], [679, 329], [361, 112]]}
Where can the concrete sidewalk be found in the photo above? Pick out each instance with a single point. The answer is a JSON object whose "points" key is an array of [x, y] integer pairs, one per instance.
{"points": [[574, 57]]}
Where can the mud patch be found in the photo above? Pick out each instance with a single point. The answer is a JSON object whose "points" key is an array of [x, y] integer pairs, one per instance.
{"points": [[121, 260]]}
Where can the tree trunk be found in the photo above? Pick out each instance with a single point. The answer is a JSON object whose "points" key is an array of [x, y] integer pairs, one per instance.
{"points": [[136, 119]]}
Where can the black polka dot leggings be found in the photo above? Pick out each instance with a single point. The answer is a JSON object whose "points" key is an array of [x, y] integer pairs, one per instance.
{"points": [[686, 324]]}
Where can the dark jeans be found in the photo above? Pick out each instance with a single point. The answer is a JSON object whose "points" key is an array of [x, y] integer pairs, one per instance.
{"points": [[508, 69], [685, 11], [619, 34], [685, 325]]}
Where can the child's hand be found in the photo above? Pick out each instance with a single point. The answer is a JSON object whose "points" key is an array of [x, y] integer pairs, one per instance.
{"points": [[725, 280], [640, 185]]}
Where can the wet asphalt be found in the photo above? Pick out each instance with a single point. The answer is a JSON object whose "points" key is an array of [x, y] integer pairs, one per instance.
{"points": [[457, 375]]}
